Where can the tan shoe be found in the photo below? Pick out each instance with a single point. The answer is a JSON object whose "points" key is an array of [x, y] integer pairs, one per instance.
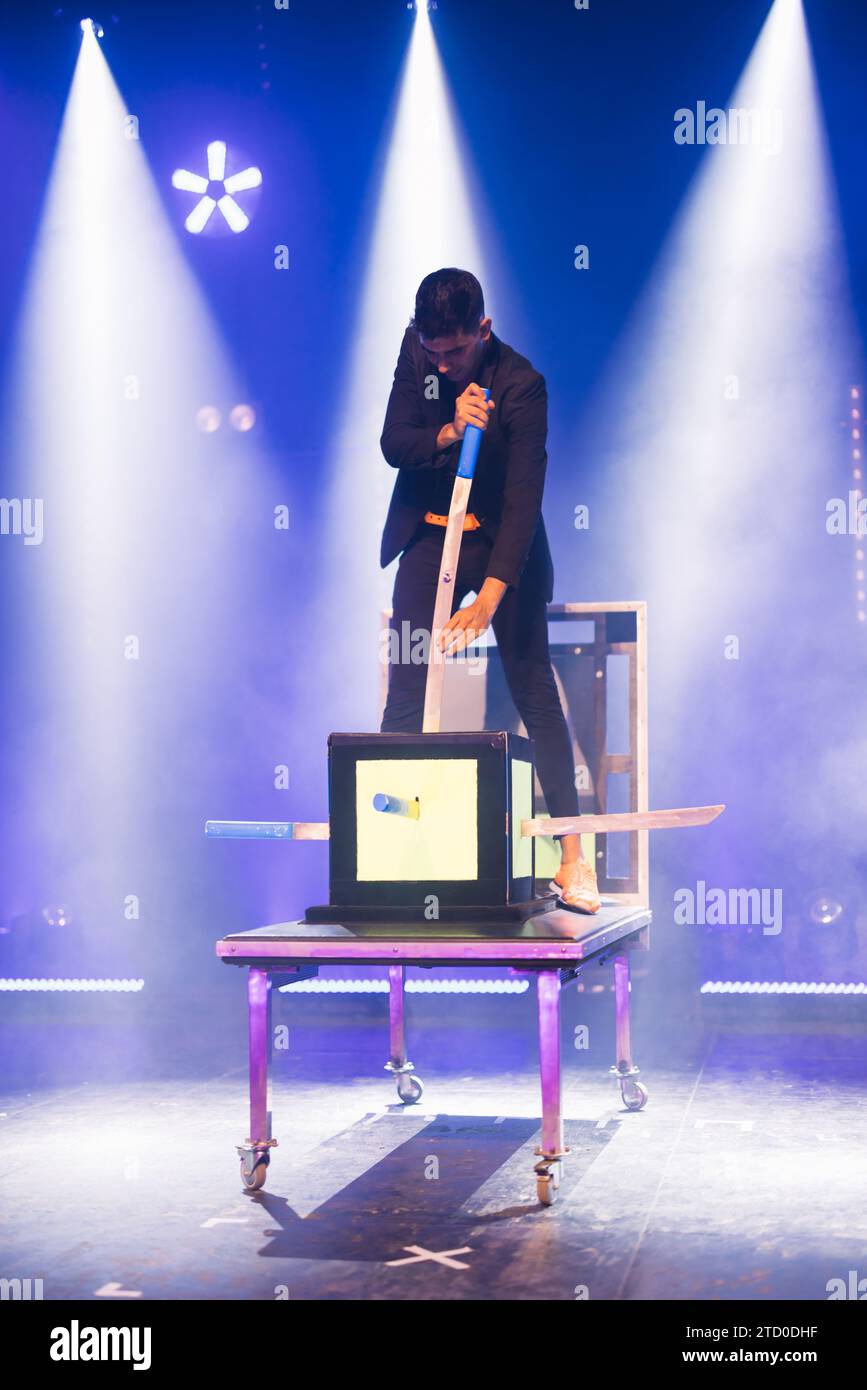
{"points": [[576, 887]]}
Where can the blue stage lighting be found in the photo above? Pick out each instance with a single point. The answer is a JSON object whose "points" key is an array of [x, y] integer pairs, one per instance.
{"points": [[92, 26], [242, 418], [208, 419], [433, 986], [217, 190], [783, 987], [71, 986]]}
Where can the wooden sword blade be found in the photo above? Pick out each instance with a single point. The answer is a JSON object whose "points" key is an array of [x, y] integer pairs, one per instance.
{"points": [[675, 819]]}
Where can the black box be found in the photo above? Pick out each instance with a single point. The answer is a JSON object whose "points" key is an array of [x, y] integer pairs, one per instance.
{"points": [[426, 827]]}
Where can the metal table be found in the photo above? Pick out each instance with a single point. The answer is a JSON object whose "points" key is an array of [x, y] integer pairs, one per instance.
{"points": [[554, 947]]}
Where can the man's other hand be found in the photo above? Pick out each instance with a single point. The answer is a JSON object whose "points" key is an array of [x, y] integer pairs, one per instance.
{"points": [[468, 624]]}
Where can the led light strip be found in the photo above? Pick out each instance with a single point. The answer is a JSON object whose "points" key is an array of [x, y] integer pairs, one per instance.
{"points": [[411, 987], [855, 395], [73, 986], [780, 987]]}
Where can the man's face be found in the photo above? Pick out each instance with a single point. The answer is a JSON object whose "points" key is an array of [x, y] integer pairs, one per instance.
{"points": [[457, 357]]}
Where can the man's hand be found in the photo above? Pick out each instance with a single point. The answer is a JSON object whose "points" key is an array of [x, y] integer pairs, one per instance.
{"points": [[469, 623], [471, 408]]}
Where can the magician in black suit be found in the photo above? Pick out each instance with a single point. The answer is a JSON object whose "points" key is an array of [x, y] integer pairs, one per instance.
{"points": [[448, 356]]}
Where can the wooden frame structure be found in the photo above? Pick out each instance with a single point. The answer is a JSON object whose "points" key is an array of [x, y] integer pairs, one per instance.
{"points": [[619, 630]]}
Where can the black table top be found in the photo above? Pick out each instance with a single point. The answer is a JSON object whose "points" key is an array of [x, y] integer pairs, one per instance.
{"points": [[553, 935]]}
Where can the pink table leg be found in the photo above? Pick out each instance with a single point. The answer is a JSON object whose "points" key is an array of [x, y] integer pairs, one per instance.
{"points": [[551, 1150], [409, 1087], [396, 1028], [634, 1094], [255, 1152], [622, 1039]]}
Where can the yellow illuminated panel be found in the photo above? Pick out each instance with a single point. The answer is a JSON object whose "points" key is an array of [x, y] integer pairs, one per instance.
{"points": [[522, 804], [441, 844]]}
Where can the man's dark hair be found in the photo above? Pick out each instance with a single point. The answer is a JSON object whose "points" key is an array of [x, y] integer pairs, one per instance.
{"points": [[448, 302]]}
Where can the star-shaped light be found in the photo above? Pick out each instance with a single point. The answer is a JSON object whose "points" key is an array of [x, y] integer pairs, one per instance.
{"points": [[235, 183]]}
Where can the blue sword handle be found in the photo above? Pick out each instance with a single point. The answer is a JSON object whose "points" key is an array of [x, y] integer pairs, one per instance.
{"points": [[470, 447], [248, 830]]}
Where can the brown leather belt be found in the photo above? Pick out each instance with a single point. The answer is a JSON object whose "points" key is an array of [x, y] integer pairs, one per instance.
{"points": [[471, 521]]}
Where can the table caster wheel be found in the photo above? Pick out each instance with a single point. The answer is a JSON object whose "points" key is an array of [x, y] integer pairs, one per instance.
{"points": [[254, 1170], [409, 1089], [545, 1189], [547, 1183], [634, 1095]]}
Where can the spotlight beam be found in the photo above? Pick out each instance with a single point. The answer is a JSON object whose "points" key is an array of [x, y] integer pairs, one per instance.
{"points": [[749, 281], [429, 214], [114, 353]]}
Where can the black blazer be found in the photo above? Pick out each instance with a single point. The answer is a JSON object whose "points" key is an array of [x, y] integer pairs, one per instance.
{"points": [[506, 494]]}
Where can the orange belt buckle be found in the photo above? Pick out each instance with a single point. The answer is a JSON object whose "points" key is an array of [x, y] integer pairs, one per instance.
{"points": [[471, 521]]}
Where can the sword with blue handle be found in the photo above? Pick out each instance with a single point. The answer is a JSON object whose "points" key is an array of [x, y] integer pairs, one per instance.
{"points": [[433, 692], [677, 818]]}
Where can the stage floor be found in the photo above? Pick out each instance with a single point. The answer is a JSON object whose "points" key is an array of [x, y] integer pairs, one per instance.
{"points": [[743, 1178]]}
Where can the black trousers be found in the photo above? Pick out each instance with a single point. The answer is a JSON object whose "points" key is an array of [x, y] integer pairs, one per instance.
{"points": [[521, 629]]}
